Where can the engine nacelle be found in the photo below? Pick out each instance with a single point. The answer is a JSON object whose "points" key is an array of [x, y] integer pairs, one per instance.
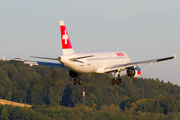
{"points": [[133, 72], [73, 74]]}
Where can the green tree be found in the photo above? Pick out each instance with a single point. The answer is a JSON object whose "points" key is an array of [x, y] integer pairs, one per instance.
{"points": [[19, 95], [56, 92], [4, 114]]}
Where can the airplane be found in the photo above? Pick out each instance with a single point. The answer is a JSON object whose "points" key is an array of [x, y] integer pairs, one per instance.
{"points": [[100, 62]]}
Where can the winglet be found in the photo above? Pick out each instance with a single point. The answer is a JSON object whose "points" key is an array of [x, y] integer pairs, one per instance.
{"points": [[174, 56], [4, 58]]}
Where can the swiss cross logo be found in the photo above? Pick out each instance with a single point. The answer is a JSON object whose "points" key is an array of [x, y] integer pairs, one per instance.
{"points": [[120, 54], [66, 44], [65, 37]]}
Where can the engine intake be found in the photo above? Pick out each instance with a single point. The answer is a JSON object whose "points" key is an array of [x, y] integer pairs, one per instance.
{"points": [[133, 72]]}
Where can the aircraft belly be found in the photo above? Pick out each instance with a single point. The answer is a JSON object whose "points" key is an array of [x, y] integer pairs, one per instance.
{"points": [[82, 67]]}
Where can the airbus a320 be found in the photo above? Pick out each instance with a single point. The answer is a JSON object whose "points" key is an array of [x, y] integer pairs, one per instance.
{"points": [[92, 62]]}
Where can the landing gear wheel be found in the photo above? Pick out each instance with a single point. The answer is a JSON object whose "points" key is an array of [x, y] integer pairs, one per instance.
{"points": [[75, 81], [118, 81], [79, 81], [113, 81]]}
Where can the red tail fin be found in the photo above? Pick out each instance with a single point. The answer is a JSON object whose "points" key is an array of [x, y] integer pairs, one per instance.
{"points": [[66, 43]]}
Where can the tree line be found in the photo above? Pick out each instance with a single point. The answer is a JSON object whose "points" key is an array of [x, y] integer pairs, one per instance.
{"points": [[53, 95]]}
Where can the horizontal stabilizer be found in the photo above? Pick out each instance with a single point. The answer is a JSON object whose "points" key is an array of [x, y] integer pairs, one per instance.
{"points": [[76, 58]]}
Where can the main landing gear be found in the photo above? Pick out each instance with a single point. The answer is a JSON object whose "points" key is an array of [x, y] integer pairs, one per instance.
{"points": [[76, 77], [79, 81], [117, 79]]}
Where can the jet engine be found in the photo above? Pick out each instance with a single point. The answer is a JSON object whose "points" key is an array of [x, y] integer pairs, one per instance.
{"points": [[133, 72], [73, 74]]}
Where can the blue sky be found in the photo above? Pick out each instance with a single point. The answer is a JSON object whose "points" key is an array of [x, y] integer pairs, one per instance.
{"points": [[144, 29]]}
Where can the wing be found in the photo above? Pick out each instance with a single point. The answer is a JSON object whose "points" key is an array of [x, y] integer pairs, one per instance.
{"points": [[48, 64], [124, 66]]}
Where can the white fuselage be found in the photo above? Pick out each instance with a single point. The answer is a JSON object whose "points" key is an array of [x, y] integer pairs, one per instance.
{"points": [[96, 63]]}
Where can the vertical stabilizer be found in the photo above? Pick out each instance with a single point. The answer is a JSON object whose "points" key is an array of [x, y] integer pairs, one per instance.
{"points": [[66, 43]]}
